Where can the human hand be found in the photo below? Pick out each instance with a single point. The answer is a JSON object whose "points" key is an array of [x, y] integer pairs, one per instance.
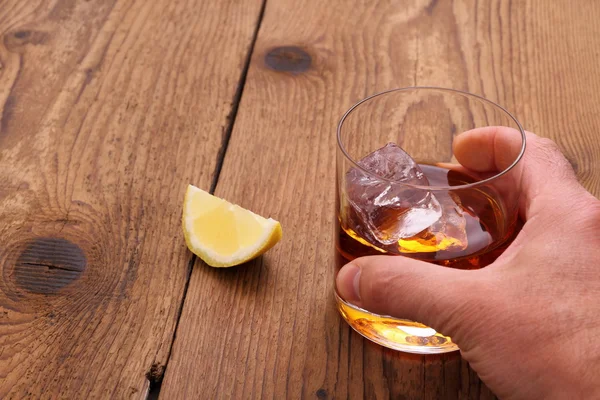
{"points": [[529, 323]]}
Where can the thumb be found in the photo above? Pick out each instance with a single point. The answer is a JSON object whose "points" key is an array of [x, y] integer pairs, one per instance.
{"points": [[445, 299]]}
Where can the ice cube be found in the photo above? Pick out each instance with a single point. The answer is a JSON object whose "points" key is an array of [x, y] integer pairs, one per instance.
{"points": [[394, 217], [451, 229], [388, 209], [447, 233]]}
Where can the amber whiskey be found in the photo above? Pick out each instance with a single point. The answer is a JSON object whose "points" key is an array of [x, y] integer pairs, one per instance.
{"points": [[487, 235]]}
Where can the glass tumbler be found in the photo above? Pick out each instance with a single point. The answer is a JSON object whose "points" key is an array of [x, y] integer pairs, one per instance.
{"points": [[401, 191]]}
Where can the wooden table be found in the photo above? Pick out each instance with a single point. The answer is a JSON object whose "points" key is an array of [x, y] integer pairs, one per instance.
{"points": [[109, 108]]}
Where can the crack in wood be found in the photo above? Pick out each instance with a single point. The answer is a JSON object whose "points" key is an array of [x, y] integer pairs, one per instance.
{"points": [[52, 266]]}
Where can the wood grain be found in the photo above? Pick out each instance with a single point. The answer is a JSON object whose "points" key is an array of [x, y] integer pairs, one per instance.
{"points": [[539, 60], [269, 329], [108, 108]]}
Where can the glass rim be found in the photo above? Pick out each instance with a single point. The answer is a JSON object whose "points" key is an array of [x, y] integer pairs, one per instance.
{"points": [[433, 188]]}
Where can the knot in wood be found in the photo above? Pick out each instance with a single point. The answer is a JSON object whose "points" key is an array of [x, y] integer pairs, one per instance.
{"points": [[49, 264], [22, 34], [288, 59], [14, 41]]}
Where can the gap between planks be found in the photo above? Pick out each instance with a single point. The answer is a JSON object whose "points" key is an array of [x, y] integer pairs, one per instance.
{"points": [[156, 374]]}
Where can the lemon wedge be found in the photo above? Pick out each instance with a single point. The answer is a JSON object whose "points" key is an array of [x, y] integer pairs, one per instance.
{"points": [[224, 234]]}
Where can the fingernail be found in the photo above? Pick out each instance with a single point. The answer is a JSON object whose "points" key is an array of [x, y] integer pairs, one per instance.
{"points": [[347, 282]]}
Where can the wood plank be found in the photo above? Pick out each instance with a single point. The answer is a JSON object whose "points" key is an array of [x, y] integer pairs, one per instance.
{"points": [[539, 61], [269, 329], [108, 109]]}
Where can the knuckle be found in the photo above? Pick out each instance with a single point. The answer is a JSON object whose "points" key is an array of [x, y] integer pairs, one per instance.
{"points": [[546, 143], [547, 152], [588, 210]]}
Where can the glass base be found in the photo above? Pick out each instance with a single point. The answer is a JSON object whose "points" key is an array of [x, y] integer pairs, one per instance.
{"points": [[394, 333]]}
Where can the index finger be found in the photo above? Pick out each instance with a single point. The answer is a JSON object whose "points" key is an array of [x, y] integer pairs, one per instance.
{"points": [[544, 172]]}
